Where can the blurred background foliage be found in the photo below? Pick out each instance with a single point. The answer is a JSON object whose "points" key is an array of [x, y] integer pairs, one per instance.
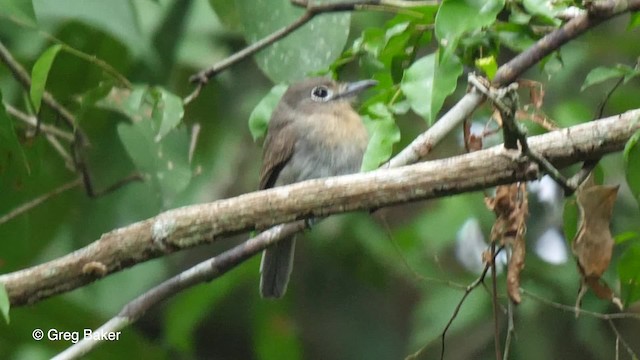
{"points": [[364, 287]]}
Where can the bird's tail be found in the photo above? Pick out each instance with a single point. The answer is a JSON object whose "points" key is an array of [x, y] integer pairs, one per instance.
{"points": [[275, 268]]}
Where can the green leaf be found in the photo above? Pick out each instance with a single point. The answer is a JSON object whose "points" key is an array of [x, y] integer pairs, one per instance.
{"points": [[543, 9], [488, 65], [599, 75], [625, 237], [383, 134], [417, 86], [167, 112], [152, 141], [165, 162], [39, 75], [261, 114], [570, 219], [456, 17], [632, 165], [629, 274], [5, 304], [429, 81], [448, 70], [20, 9], [515, 37], [129, 102], [308, 50]]}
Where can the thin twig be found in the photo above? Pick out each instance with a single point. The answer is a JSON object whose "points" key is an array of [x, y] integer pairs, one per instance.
{"points": [[467, 291], [494, 301], [572, 308], [443, 335], [312, 10], [39, 200], [606, 317], [92, 59], [510, 331], [506, 102], [620, 339], [64, 154], [604, 101], [24, 79], [33, 122]]}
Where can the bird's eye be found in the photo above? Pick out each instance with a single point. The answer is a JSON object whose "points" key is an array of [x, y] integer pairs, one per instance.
{"points": [[320, 93]]}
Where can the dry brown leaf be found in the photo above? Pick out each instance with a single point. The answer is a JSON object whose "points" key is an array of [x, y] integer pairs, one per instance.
{"points": [[511, 208], [593, 243], [536, 91]]}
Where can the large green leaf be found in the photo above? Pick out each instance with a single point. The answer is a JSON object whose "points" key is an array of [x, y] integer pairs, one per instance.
{"points": [[115, 17], [417, 85], [455, 17], [308, 50], [602, 74], [429, 81], [165, 162], [40, 73], [154, 143]]}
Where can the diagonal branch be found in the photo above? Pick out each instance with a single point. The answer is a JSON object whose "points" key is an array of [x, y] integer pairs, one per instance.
{"points": [[312, 10], [205, 223], [25, 80]]}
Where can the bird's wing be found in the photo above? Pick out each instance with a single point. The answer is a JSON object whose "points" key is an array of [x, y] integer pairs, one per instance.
{"points": [[276, 153]]}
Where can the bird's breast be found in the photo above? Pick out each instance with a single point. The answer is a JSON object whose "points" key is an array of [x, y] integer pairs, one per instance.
{"points": [[328, 146]]}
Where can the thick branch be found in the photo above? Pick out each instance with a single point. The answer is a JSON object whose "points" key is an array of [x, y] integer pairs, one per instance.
{"points": [[198, 224]]}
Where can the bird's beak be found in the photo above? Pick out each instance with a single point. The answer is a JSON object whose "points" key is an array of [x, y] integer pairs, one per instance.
{"points": [[354, 88]]}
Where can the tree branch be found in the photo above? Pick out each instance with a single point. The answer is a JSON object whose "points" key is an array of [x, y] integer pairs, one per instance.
{"points": [[312, 9], [199, 224]]}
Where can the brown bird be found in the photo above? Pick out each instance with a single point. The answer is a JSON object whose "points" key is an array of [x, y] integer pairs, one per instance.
{"points": [[313, 133]]}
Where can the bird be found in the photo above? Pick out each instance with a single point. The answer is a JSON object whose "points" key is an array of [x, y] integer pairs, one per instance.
{"points": [[314, 132]]}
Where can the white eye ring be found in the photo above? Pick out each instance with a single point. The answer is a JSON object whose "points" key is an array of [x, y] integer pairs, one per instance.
{"points": [[321, 93]]}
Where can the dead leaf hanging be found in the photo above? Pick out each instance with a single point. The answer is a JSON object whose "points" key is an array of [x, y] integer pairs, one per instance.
{"points": [[593, 243]]}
